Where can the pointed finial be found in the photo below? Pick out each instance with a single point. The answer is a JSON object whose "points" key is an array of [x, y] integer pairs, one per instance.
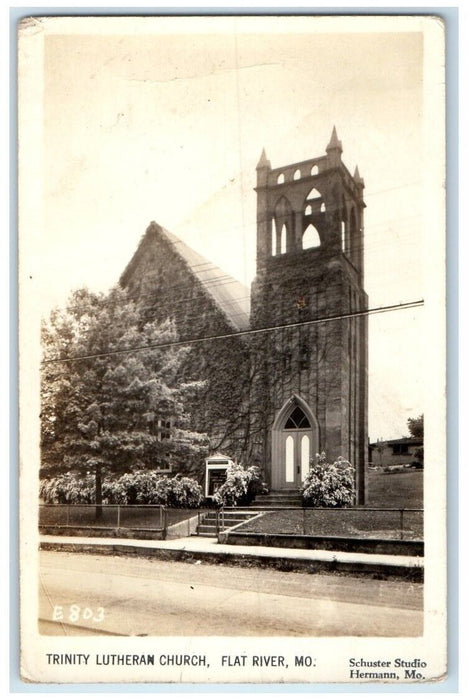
{"points": [[335, 143], [357, 177], [263, 162]]}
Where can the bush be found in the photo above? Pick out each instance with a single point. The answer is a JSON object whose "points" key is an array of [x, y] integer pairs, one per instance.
{"points": [[145, 487], [329, 485], [68, 488], [240, 487]]}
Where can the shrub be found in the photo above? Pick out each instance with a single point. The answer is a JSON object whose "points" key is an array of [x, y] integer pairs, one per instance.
{"points": [[329, 485], [140, 487], [68, 488], [184, 492], [240, 487]]}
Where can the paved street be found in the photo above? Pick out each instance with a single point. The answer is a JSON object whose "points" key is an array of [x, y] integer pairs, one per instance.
{"points": [[128, 596]]}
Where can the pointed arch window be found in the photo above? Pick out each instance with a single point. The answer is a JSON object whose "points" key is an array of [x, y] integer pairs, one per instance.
{"points": [[297, 420], [273, 238], [280, 179], [311, 238], [297, 175], [283, 239], [314, 170], [308, 210], [314, 194]]}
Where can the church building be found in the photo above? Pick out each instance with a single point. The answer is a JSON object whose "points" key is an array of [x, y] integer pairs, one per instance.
{"points": [[284, 366]]}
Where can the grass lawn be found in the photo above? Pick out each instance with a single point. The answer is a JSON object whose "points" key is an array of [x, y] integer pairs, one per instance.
{"points": [[397, 490], [385, 490], [339, 522]]}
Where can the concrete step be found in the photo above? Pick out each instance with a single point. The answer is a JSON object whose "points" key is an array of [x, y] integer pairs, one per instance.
{"points": [[207, 527], [278, 502]]}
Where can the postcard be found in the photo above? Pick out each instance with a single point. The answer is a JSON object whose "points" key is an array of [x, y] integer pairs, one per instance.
{"points": [[232, 349]]}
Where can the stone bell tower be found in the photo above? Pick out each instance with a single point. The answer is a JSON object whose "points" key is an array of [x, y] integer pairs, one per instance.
{"points": [[310, 370]]}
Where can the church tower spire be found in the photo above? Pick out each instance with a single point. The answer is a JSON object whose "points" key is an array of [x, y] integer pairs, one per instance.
{"points": [[334, 149]]}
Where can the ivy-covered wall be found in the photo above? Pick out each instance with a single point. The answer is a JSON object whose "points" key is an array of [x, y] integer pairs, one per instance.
{"points": [[166, 287]]}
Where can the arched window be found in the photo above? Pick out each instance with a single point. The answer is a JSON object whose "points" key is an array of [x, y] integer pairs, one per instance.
{"points": [[314, 170], [314, 194], [282, 208], [311, 238], [297, 420], [297, 175], [284, 234], [280, 179], [308, 210], [273, 238], [353, 243], [343, 237], [322, 208]]}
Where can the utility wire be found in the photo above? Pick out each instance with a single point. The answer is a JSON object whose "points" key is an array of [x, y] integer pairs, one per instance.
{"points": [[237, 334]]}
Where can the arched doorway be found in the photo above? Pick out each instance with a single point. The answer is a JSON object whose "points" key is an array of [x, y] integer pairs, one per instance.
{"points": [[294, 442]]}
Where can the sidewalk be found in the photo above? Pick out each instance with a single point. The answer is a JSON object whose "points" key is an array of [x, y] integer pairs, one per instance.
{"points": [[205, 549]]}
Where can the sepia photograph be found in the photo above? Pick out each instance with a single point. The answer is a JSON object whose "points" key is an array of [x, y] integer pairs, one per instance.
{"points": [[232, 349]]}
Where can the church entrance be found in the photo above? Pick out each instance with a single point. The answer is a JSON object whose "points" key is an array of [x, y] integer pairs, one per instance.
{"points": [[294, 442]]}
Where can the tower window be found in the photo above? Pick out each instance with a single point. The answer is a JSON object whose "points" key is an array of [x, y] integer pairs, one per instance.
{"points": [[297, 175], [311, 238], [283, 238], [287, 360], [304, 357], [308, 210], [314, 170], [314, 194], [322, 208], [273, 238], [280, 179]]}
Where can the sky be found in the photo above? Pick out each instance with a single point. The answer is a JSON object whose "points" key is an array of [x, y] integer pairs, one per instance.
{"points": [[166, 121]]}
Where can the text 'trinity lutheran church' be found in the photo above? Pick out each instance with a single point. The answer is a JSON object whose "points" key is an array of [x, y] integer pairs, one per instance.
{"points": [[288, 378]]}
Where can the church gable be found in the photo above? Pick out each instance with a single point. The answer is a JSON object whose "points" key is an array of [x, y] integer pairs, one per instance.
{"points": [[170, 279]]}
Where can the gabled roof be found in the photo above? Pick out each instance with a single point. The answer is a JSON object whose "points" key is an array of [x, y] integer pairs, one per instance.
{"points": [[230, 295], [399, 441]]}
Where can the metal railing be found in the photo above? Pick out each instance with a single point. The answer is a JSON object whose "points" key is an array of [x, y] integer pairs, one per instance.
{"points": [[103, 517], [352, 522]]}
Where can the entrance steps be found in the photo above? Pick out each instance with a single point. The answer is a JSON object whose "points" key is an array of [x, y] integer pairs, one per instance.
{"points": [[212, 523], [289, 498]]}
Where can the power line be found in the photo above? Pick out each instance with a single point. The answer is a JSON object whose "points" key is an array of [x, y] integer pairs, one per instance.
{"points": [[237, 334], [225, 279]]}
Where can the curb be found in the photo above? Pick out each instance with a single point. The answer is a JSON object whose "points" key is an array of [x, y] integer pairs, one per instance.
{"points": [[304, 564]]}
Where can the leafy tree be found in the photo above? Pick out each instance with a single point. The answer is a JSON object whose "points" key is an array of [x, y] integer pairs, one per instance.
{"points": [[416, 426], [416, 429], [107, 411]]}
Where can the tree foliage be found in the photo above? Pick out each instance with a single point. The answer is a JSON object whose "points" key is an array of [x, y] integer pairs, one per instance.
{"points": [[108, 411], [416, 426]]}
